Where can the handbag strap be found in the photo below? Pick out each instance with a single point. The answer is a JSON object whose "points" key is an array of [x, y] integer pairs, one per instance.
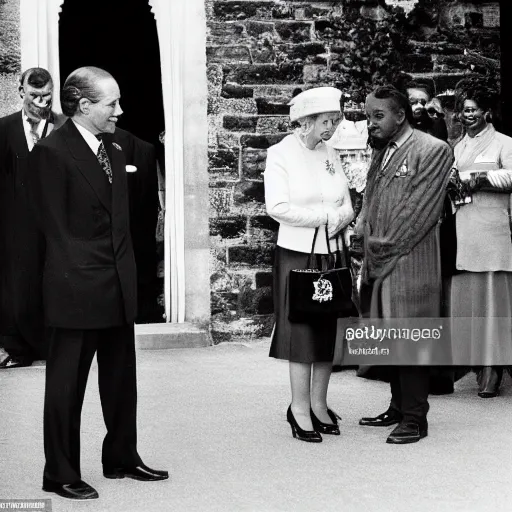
{"points": [[311, 254], [346, 255]]}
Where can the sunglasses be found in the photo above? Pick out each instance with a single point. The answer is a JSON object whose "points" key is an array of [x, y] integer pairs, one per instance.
{"points": [[434, 113]]}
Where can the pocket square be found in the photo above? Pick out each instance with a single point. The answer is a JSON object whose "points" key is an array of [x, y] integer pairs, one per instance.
{"points": [[131, 168], [403, 171]]}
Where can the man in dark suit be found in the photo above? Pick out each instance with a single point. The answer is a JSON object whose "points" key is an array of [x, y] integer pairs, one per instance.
{"points": [[143, 203], [78, 184], [21, 327]]}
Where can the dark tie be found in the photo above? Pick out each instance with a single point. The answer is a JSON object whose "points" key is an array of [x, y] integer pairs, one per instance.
{"points": [[102, 157]]}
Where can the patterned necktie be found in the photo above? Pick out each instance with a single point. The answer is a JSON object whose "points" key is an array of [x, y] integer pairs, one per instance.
{"points": [[102, 157], [33, 130]]}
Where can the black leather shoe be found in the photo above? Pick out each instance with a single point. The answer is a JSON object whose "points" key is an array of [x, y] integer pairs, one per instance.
{"points": [[77, 491], [326, 428], [140, 472], [386, 419], [310, 436], [14, 362], [406, 433]]}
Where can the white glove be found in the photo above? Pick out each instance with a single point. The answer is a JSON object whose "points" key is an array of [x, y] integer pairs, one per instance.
{"points": [[335, 222], [500, 178]]}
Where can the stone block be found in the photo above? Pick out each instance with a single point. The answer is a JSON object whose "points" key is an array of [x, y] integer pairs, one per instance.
{"points": [[280, 92], [261, 141], [415, 63], [258, 28], [315, 73], [444, 48], [269, 107], [225, 33], [228, 227], [214, 76], [304, 50], [223, 302], [221, 200], [241, 9], [240, 123], [264, 278], [253, 302], [249, 191], [228, 140], [446, 63], [253, 163], [273, 124], [224, 159], [260, 254], [228, 53], [231, 106], [225, 329], [232, 90], [264, 54], [263, 73], [294, 31]]}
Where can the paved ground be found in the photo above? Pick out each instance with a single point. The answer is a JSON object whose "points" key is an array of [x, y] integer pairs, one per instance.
{"points": [[215, 417]]}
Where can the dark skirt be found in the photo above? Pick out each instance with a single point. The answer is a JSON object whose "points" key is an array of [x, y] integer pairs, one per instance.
{"points": [[299, 343]]}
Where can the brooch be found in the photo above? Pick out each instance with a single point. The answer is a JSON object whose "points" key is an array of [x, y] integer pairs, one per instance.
{"points": [[117, 146], [329, 167], [403, 171]]}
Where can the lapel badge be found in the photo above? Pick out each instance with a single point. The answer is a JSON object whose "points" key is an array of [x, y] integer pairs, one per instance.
{"points": [[403, 171], [117, 146]]}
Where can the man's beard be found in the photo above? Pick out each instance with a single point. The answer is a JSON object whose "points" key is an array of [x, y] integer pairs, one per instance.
{"points": [[39, 112]]}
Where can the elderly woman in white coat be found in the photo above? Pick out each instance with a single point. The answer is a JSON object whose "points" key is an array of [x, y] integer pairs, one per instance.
{"points": [[305, 188]]}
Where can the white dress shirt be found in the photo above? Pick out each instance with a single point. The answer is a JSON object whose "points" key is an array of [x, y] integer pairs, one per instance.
{"points": [[89, 137], [27, 127]]}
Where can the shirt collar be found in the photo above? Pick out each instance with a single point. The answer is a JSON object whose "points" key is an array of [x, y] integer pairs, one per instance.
{"points": [[89, 137], [403, 137]]}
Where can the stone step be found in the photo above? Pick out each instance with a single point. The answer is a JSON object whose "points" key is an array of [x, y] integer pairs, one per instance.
{"points": [[171, 335]]}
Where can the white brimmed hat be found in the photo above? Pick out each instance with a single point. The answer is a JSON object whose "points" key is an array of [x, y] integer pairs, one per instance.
{"points": [[315, 101]]}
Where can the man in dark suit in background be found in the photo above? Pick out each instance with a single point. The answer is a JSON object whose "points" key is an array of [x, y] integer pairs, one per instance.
{"points": [[79, 186], [21, 327]]}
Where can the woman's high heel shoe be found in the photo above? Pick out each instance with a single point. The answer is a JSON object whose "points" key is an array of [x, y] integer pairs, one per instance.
{"points": [[310, 436], [326, 428]]}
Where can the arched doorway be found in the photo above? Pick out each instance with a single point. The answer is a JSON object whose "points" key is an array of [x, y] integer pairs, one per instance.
{"points": [[124, 42]]}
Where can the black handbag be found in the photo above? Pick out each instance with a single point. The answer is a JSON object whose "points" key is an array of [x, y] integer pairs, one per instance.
{"points": [[315, 294]]}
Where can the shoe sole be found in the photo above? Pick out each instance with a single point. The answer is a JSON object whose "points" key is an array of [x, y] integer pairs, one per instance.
{"points": [[117, 476], [77, 498]]}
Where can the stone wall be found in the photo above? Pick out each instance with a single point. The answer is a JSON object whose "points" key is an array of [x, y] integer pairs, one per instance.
{"points": [[10, 56], [259, 53]]}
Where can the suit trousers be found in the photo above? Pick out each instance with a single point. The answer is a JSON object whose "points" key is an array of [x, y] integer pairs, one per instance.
{"points": [[409, 392], [70, 356]]}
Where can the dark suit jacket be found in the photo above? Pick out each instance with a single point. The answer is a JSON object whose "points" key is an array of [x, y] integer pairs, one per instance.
{"points": [[143, 201], [20, 243], [89, 278]]}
